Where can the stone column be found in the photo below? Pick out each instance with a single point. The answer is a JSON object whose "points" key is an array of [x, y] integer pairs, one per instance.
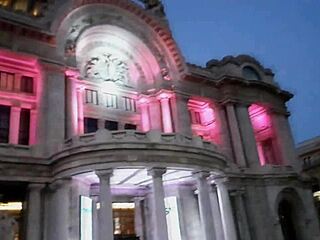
{"points": [[144, 114], [216, 213], [247, 135], [224, 133], [138, 221], [34, 211], [80, 110], [14, 125], [242, 214], [72, 104], [95, 222], [33, 127], [285, 144], [51, 108], [235, 135], [105, 216], [17, 82], [158, 210], [181, 116], [60, 210], [205, 205], [166, 113], [229, 228]]}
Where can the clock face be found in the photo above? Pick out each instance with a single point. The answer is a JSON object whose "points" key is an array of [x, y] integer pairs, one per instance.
{"points": [[106, 67]]}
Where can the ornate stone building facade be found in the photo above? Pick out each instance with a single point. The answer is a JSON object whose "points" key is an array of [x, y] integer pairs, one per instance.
{"points": [[107, 133], [309, 155]]}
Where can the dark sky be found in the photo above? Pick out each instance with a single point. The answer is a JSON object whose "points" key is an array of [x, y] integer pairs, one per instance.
{"points": [[282, 34]]}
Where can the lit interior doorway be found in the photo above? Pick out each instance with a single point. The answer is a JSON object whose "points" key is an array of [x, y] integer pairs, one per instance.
{"points": [[12, 197], [123, 221]]}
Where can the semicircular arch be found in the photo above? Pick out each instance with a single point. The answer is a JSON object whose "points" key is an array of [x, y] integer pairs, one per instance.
{"points": [[123, 14]]}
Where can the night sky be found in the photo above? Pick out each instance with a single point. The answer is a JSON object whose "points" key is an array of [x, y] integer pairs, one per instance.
{"points": [[283, 35]]}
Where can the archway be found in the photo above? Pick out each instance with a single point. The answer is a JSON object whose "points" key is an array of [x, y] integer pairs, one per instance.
{"points": [[291, 215], [285, 211]]}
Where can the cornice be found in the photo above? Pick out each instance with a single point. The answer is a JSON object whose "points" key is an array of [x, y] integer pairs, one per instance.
{"points": [[238, 60], [236, 82]]}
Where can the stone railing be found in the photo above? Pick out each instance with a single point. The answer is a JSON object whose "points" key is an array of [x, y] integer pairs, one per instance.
{"points": [[132, 136]]}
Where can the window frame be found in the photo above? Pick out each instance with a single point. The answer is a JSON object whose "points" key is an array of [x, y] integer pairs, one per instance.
{"points": [[91, 96], [129, 104], [5, 80], [111, 100], [5, 129], [26, 86]]}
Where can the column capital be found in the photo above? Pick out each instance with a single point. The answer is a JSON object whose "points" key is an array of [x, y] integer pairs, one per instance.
{"points": [[220, 180], [143, 100], [80, 88], [62, 182], [156, 172], [104, 173], [228, 102], [72, 73], [243, 104], [36, 186], [201, 174], [237, 192], [164, 95], [15, 109]]}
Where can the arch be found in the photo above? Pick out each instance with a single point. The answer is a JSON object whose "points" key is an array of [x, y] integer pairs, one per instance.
{"points": [[249, 73], [291, 213], [123, 14], [121, 45]]}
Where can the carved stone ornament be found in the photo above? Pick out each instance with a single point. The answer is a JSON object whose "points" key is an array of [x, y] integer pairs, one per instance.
{"points": [[107, 68]]}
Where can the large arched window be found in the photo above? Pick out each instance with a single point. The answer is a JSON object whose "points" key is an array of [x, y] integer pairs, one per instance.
{"points": [[264, 135]]}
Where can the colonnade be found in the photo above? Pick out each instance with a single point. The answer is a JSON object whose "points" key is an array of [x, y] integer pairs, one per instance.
{"points": [[215, 209]]}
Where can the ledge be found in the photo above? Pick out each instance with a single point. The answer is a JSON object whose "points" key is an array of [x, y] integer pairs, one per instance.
{"points": [[105, 149]]}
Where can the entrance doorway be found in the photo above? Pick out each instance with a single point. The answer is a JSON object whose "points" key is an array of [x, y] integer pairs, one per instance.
{"points": [[12, 196], [285, 212], [123, 221], [291, 213]]}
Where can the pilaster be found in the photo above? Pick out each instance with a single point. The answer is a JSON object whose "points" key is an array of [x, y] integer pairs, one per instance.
{"points": [[14, 125], [236, 141], [34, 212], [247, 135]]}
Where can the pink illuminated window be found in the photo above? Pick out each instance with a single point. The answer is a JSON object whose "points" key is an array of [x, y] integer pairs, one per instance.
{"points": [[264, 135], [24, 127], [19, 74], [203, 120], [6, 81], [26, 84], [4, 123]]}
